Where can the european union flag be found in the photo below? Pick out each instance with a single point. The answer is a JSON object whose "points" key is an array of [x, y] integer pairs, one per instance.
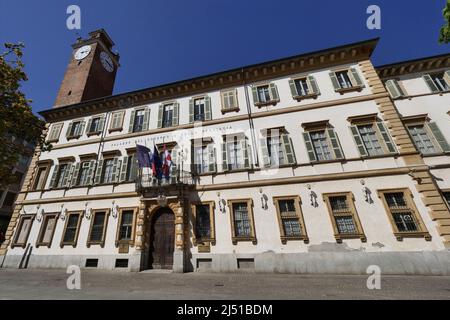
{"points": [[143, 156]]}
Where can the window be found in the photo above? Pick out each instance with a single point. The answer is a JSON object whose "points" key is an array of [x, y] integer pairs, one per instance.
{"points": [[199, 109], [95, 125], [276, 148], [322, 142], [9, 200], [75, 129], [446, 195], [304, 87], [403, 214], [370, 140], [265, 94], [344, 217], [62, 173], [54, 133], [204, 223], [99, 221], [48, 226], [125, 227], [139, 121], [344, 80], [71, 229], [242, 224], [396, 90], [108, 170], [168, 115], [229, 100], [290, 219], [23, 230], [234, 154], [85, 175], [438, 82], [116, 121], [427, 137], [204, 158]]}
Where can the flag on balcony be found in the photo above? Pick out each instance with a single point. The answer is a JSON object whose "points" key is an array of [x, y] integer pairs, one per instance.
{"points": [[167, 163], [143, 155], [156, 164]]}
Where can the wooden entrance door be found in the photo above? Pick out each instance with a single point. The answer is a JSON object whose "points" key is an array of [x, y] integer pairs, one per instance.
{"points": [[162, 239]]}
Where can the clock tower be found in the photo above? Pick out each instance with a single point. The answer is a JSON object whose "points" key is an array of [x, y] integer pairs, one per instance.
{"points": [[91, 71]]}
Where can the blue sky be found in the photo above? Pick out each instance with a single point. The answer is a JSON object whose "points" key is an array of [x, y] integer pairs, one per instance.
{"points": [[163, 41]]}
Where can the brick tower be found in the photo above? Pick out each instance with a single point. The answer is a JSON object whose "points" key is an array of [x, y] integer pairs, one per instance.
{"points": [[91, 71]]}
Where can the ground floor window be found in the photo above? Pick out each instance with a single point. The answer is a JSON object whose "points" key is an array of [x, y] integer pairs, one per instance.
{"points": [[99, 222], [290, 219], [71, 229], [23, 230], [242, 223], [203, 214], [126, 226], [48, 226]]}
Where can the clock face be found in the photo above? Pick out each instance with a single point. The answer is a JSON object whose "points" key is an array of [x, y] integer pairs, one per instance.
{"points": [[107, 62], [83, 52]]}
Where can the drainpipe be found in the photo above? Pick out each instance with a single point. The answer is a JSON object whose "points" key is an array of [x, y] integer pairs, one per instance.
{"points": [[250, 120]]}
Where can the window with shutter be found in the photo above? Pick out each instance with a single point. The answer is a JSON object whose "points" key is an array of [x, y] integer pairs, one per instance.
{"points": [[75, 129], [55, 132], [422, 139], [265, 94], [305, 87], [394, 88], [117, 121], [229, 100], [437, 82], [346, 80], [95, 125]]}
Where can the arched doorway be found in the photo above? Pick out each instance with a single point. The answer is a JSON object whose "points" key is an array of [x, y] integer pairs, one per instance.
{"points": [[162, 239]]}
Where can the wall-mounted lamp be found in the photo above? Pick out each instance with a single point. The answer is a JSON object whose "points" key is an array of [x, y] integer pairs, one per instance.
{"points": [[366, 192], [222, 203], [264, 199], [39, 213], [87, 211], [63, 212], [312, 196], [114, 209]]}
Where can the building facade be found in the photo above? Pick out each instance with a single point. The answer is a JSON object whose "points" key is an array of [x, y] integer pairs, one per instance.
{"points": [[316, 163]]}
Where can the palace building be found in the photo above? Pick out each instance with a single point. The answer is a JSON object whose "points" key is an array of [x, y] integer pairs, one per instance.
{"points": [[315, 163]]}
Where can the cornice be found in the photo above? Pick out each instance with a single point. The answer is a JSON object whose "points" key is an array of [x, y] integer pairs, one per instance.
{"points": [[413, 66], [249, 74]]}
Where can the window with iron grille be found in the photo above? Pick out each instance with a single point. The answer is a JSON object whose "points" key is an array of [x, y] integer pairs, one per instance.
{"points": [[403, 216], [343, 215], [98, 227], [71, 230], [203, 221], [242, 227], [126, 225], [289, 219]]}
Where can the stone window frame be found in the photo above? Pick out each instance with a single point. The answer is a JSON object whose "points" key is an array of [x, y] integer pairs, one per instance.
{"points": [[45, 216], [59, 126], [235, 239], [198, 240], [47, 164], [310, 81], [407, 194], [352, 210], [131, 241], [283, 133], [373, 119], [298, 210], [101, 117], [77, 232], [274, 100], [101, 243], [355, 86], [120, 127], [222, 100], [23, 217], [82, 122]]}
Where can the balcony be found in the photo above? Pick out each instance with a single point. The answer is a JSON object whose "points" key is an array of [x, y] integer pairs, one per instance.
{"points": [[150, 186]]}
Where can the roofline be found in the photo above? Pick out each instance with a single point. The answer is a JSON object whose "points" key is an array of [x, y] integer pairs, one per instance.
{"points": [[372, 41], [393, 64]]}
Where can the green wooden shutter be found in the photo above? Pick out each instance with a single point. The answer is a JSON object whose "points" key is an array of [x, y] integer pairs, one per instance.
{"points": [[208, 108], [447, 77], [358, 140], [430, 83], [288, 148], [123, 170], [309, 146], [69, 129], [76, 172], [264, 152], [255, 95], [293, 88], [101, 124], [244, 148], [90, 174], [146, 119], [212, 158], [356, 77], [394, 89], [54, 176], [176, 114], [191, 111], [334, 81], [338, 153], [273, 92], [68, 176], [98, 172], [116, 169], [439, 136], [160, 116], [88, 129], [386, 137], [312, 85], [132, 117], [224, 156]]}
